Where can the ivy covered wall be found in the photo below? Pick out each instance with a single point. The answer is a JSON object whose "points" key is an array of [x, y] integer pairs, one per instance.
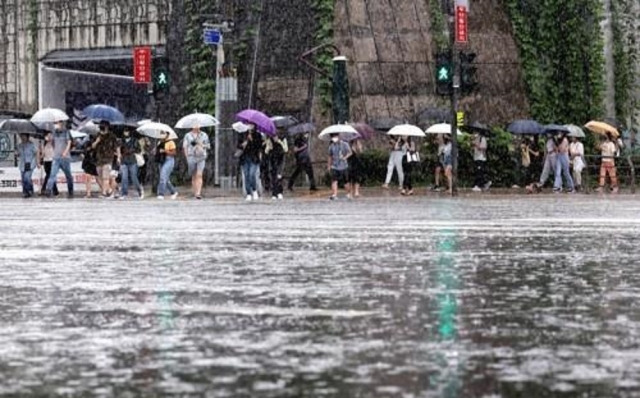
{"points": [[561, 49]]}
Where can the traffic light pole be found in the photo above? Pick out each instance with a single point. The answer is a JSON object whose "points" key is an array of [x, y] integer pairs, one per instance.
{"points": [[455, 67]]}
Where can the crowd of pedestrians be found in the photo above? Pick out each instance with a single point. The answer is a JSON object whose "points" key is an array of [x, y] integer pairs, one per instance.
{"points": [[118, 164]]}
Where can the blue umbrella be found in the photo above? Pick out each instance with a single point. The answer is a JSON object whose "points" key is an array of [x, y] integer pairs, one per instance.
{"points": [[525, 127], [104, 113], [556, 128]]}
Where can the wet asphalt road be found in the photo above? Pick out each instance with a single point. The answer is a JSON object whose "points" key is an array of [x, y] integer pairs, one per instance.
{"points": [[383, 297]]}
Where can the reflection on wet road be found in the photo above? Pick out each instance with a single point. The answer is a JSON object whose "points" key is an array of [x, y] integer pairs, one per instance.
{"points": [[499, 297]]}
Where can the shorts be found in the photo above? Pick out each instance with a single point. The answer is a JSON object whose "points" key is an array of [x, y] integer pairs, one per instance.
{"points": [[195, 165], [340, 176], [447, 162], [104, 171]]}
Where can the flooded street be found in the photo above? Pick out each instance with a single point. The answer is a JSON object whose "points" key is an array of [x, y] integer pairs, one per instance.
{"points": [[381, 297]]}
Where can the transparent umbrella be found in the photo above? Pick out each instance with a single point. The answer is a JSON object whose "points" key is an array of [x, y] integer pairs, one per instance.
{"points": [[197, 119]]}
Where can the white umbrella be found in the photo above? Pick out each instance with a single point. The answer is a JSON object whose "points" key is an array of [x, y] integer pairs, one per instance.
{"points": [[75, 134], [575, 131], [49, 115], [240, 127], [144, 121], [346, 132], [154, 129], [408, 130], [441, 128], [89, 127], [197, 119]]}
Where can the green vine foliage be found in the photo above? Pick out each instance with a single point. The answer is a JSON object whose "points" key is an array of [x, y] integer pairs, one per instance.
{"points": [[323, 10], [200, 69], [438, 25], [625, 56], [561, 50]]}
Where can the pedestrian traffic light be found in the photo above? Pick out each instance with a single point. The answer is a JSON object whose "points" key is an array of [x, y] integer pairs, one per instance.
{"points": [[468, 69], [444, 73], [161, 79]]}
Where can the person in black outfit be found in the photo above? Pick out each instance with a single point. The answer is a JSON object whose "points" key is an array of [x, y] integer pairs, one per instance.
{"points": [[275, 149], [303, 162]]}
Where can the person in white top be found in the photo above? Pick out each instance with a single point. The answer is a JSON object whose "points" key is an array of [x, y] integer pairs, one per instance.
{"points": [[562, 165], [46, 152], [608, 165], [480, 163], [576, 151]]}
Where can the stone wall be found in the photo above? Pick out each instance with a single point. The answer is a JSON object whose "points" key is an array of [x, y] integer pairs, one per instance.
{"points": [[391, 53], [34, 28]]}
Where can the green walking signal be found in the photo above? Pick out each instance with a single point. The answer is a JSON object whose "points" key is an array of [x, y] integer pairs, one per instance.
{"points": [[444, 73]]}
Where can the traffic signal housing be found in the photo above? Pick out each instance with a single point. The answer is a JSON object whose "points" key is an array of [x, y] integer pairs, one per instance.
{"points": [[444, 73], [468, 72], [161, 78]]}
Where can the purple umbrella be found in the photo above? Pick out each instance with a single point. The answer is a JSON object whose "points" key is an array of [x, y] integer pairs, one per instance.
{"points": [[263, 123], [365, 131]]}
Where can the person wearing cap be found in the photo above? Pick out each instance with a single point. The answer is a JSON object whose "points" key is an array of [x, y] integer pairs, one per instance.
{"points": [[61, 158], [195, 146]]}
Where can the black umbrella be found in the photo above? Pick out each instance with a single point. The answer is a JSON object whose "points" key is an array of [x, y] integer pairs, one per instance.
{"points": [[385, 123], [520, 127], [283, 122], [19, 126], [304, 128], [477, 127], [434, 115]]}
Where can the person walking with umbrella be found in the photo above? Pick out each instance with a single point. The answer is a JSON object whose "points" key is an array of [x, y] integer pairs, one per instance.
{"points": [[129, 165], [303, 161], [528, 157], [90, 167], [576, 151], [480, 162], [411, 159], [46, 153], [608, 165], [166, 158], [61, 158], [447, 161], [251, 151], [275, 149], [28, 156], [355, 167], [106, 147], [338, 164], [550, 161], [562, 165], [395, 161], [195, 146]]}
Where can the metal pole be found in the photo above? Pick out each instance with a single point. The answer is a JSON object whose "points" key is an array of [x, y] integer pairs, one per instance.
{"points": [[218, 105], [454, 109]]}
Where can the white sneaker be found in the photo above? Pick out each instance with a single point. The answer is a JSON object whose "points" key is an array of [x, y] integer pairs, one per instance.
{"points": [[274, 197], [160, 197], [122, 198], [248, 198], [255, 195], [280, 197], [174, 196], [476, 189], [141, 195]]}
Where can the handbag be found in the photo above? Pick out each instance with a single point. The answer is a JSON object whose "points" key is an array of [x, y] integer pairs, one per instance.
{"points": [[139, 159], [413, 157]]}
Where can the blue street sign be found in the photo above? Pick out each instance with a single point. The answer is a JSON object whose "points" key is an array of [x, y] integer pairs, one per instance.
{"points": [[212, 37]]}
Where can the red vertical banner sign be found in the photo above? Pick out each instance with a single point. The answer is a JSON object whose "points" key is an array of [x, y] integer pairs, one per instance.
{"points": [[142, 65], [462, 31]]}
